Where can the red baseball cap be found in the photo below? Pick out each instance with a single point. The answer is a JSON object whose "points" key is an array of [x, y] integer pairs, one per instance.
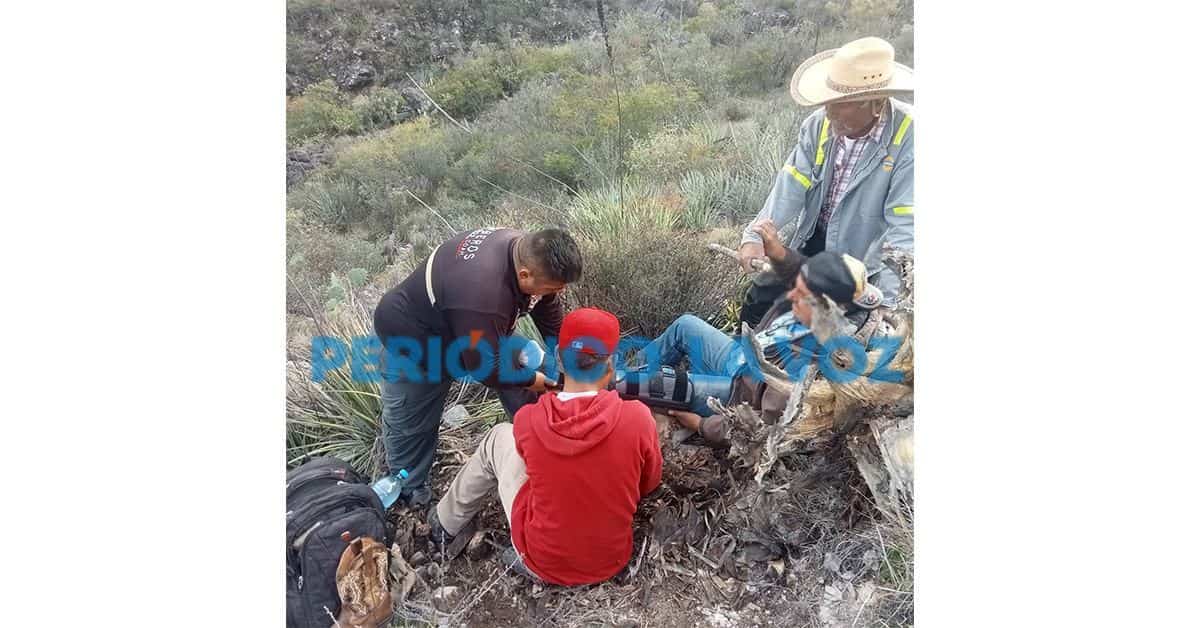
{"points": [[589, 330]]}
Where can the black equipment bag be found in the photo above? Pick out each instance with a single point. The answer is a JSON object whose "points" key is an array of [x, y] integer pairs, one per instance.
{"points": [[325, 498]]}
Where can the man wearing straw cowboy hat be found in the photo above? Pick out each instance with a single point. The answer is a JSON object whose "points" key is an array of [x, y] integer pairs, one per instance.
{"points": [[849, 181]]}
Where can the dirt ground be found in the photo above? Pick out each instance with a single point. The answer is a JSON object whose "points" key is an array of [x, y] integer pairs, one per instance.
{"points": [[711, 548]]}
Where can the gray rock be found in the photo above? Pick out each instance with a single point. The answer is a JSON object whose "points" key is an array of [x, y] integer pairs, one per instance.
{"points": [[478, 547], [302, 161], [356, 76], [415, 99]]}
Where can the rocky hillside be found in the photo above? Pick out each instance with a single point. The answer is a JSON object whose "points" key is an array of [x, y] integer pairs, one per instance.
{"points": [[360, 43], [374, 42]]}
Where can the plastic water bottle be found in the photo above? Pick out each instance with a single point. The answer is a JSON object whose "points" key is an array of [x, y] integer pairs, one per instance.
{"points": [[455, 416], [388, 487]]}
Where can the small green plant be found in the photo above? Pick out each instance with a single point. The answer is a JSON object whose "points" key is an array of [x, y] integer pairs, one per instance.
{"points": [[669, 152], [357, 277], [335, 294], [896, 571], [332, 201]]}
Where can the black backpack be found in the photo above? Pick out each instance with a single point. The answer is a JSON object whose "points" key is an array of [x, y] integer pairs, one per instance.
{"points": [[325, 498]]}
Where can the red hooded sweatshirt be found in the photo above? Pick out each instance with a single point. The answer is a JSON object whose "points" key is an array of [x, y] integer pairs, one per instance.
{"points": [[589, 460]]}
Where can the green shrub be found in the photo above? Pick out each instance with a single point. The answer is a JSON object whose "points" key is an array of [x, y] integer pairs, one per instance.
{"points": [[566, 128], [322, 112], [587, 108], [512, 139], [638, 265], [566, 59], [380, 108], [722, 26], [562, 166], [415, 154], [468, 89], [489, 74], [669, 153], [368, 182], [649, 278], [332, 201], [698, 63], [764, 62]]}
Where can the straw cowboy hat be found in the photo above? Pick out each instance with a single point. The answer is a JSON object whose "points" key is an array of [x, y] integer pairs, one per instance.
{"points": [[861, 70]]}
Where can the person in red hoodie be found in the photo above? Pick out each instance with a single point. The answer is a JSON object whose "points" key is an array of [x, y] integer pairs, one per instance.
{"points": [[570, 469]]}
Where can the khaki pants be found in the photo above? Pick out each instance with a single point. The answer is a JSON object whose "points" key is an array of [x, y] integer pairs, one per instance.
{"points": [[495, 465]]}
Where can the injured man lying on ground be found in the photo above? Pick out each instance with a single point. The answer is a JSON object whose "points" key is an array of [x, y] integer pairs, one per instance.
{"points": [[721, 362]]}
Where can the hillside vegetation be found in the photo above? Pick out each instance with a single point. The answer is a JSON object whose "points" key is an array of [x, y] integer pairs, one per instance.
{"points": [[704, 123]]}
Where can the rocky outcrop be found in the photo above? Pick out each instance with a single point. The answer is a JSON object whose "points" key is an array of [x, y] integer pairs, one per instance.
{"points": [[364, 44], [357, 75], [301, 161]]}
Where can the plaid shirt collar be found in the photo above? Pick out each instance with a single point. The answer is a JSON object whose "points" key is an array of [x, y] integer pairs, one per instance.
{"points": [[877, 130], [842, 171]]}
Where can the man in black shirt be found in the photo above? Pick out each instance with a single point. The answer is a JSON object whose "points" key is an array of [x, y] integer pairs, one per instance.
{"points": [[458, 307]]}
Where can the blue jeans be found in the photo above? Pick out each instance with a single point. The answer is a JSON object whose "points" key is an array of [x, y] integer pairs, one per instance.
{"points": [[707, 348]]}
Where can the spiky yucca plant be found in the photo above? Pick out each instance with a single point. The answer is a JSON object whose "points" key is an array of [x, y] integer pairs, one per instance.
{"points": [[340, 415], [704, 194], [599, 213]]}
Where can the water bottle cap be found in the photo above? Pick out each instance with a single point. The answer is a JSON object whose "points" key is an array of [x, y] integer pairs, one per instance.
{"points": [[403, 474]]}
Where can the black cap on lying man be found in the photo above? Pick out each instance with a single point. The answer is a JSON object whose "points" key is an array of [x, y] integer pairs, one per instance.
{"points": [[841, 278]]}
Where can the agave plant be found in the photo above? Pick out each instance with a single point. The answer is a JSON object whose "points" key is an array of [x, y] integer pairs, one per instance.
{"points": [[705, 195]]}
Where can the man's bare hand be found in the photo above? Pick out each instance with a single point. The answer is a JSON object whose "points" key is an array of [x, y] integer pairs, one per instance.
{"points": [[541, 384], [749, 252], [690, 420], [772, 244]]}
